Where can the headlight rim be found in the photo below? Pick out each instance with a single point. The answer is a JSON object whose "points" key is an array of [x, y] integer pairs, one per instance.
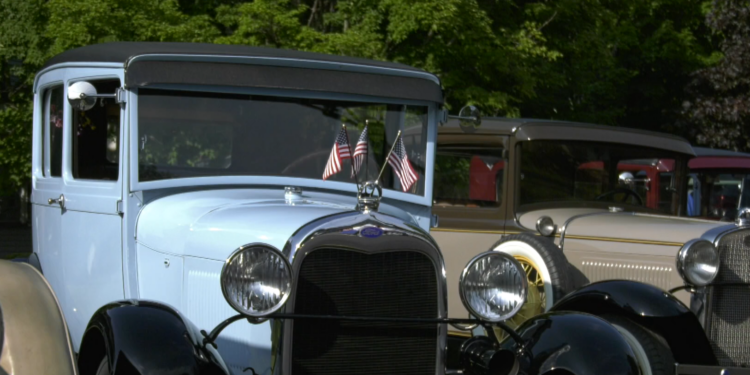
{"points": [[524, 283], [682, 254], [284, 298]]}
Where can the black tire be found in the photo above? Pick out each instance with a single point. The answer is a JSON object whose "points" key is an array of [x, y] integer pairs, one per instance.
{"points": [[650, 344], [103, 368], [554, 260]]}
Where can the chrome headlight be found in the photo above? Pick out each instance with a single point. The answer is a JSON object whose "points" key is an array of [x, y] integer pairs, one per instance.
{"points": [[493, 286], [256, 280], [545, 226], [698, 262]]}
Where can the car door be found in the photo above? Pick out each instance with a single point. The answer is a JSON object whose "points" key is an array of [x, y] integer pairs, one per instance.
{"points": [[47, 182], [92, 270]]}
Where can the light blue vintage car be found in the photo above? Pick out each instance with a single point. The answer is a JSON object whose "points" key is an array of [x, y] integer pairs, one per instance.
{"points": [[227, 209]]}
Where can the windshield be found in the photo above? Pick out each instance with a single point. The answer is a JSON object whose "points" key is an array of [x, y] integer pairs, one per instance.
{"points": [[187, 134], [579, 173]]}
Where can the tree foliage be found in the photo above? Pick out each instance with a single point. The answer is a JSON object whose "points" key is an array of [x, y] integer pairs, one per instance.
{"points": [[719, 112], [606, 61]]}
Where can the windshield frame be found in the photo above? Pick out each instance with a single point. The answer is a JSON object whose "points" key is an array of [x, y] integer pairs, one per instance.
{"points": [[346, 187], [680, 172]]}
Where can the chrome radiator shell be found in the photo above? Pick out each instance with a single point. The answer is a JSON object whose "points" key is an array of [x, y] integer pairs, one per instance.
{"points": [[349, 232], [726, 315]]}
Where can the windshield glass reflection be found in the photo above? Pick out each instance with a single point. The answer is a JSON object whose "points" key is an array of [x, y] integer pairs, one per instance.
{"points": [[197, 134]]}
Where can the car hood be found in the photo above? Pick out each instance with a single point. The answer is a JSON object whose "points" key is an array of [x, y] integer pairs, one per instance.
{"points": [[623, 225], [212, 224]]}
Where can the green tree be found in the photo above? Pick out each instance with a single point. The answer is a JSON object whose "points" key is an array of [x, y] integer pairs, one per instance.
{"points": [[718, 112], [624, 62], [21, 46], [478, 62]]}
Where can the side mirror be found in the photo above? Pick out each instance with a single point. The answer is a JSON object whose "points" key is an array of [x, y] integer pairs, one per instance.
{"points": [[469, 118], [82, 95]]}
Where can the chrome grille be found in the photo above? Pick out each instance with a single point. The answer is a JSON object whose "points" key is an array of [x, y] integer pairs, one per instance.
{"points": [[391, 284], [729, 317]]}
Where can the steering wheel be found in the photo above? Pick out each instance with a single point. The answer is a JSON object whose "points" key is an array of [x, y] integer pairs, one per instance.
{"points": [[299, 162], [626, 191]]}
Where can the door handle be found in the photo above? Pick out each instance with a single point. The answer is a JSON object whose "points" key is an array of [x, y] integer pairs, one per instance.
{"points": [[60, 201]]}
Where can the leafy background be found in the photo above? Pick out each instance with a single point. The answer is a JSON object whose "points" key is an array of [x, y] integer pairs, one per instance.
{"points": [[667, 65]]}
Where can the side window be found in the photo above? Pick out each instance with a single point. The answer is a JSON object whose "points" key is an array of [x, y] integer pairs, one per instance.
{"points": [[469, 177], [53, 129], [95, 134]]}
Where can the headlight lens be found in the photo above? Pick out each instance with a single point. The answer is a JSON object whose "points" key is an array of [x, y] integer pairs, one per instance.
{"points": [[256, 280], [493, 286], [698, 262]]}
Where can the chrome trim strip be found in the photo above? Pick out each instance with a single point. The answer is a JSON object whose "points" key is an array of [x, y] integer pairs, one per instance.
{"points": [[342, 230]]}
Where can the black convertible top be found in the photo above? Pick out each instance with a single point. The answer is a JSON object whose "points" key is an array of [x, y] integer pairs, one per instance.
{"points": [[223, 65], [121, 52]]}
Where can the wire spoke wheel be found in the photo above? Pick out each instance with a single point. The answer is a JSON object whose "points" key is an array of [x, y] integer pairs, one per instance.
{"points": [[535, 298]]}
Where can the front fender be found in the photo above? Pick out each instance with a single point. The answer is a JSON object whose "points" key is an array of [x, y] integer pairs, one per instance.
{"points": [[650, 307], [579, 343], [141, 337]]}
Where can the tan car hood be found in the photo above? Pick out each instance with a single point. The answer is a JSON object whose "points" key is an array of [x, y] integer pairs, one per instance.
{"points": [[624, 226]]}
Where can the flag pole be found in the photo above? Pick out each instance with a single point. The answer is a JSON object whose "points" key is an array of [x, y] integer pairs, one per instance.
{"points": [[367, 155], [351, 154], [385, 161]]}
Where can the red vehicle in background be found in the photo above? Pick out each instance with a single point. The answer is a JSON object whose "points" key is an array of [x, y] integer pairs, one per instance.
{"points": [[715, 185], [715, 182]]}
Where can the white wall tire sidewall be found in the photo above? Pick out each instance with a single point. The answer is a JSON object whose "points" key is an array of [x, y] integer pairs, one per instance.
{"points": [[638, 350], [520, 248]]}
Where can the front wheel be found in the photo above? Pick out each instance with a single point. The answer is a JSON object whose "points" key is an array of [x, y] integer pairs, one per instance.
{"points": [[651, 351], [546, 270]]}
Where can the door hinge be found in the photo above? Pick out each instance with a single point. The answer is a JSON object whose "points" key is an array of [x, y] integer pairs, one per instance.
{"points": [[120, 208], [442, 116], [121, 96]]}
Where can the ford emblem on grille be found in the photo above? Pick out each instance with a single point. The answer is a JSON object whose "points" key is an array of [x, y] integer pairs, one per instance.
{"points": [[371, 232]]}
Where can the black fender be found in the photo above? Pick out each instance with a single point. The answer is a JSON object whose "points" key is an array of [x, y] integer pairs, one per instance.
{"points": [[142, 337], [650, 307], [579, 343]]}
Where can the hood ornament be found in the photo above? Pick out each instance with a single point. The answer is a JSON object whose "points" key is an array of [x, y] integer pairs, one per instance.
{"points": [[367, 200], [292, 194]]}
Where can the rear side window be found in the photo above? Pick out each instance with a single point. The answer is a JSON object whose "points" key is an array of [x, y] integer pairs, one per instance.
{"points": [[469, 177], [53, 129]]}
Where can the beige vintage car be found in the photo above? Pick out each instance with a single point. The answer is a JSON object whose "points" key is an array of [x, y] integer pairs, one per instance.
{"points": [[33, 335], [578, 203]]}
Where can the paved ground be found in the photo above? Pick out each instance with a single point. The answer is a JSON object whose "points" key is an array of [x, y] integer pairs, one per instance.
{"points": [[15, 240]]}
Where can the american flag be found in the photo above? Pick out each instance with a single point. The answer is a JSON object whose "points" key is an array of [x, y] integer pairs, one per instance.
{"points": [[360, 152], [399, 161], [339, 153]]}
